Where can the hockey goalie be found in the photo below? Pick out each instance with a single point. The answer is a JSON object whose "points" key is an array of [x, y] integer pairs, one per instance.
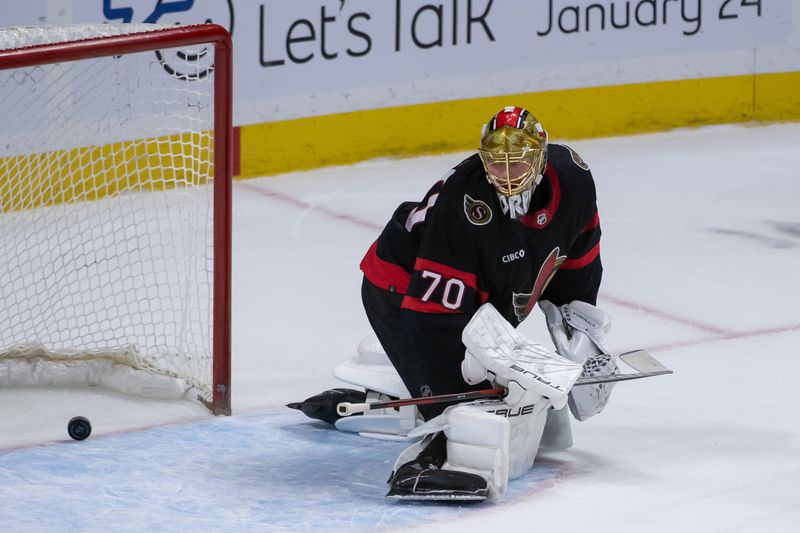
{"points": [[445, 286]]}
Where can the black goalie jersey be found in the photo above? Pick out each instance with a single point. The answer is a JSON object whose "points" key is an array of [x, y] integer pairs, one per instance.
{"points": [[445, 256]]}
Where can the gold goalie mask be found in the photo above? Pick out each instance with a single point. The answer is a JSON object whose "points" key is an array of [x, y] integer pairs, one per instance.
{"points": [[514, 153]]}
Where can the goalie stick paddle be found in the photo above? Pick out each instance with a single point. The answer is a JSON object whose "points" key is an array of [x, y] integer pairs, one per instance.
{"points": [[347, 408], [645, 365]]}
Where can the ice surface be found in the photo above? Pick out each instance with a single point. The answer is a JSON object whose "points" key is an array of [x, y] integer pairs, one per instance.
{"points": [[701, 250]]}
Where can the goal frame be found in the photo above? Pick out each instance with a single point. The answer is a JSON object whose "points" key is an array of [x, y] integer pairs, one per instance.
{"points": [[157, 39]]}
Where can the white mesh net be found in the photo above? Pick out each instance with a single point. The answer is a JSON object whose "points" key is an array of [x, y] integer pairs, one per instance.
{"points": [[106, 200], [23, 36]]}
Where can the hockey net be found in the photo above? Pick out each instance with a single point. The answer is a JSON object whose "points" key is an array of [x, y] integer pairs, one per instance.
{"points": [[115, 177]]}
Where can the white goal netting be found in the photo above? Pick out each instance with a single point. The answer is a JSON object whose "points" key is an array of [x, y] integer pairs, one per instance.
{"points": [[107, 215]]}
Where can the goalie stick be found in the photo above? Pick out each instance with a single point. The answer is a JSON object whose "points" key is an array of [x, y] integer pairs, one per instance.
{"points": [[347, 408], [645, 365]]}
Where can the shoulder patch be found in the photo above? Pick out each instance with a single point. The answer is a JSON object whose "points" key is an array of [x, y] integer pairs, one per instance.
{"points": [[577, 159], [478, 212]]}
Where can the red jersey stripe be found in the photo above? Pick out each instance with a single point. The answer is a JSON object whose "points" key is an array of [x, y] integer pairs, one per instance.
{"points": [[574, 264], [382, 273], [469, 279], [592, 224], [484, 296], [541, 219]]}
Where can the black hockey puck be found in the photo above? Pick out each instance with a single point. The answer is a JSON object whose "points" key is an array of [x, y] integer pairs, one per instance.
{"points": [[79, 428]]}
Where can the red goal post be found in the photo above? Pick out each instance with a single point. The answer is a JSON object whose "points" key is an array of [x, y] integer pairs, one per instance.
{"points": [[99, 180]]}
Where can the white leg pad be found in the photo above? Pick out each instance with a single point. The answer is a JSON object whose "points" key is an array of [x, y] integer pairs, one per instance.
{"points": [[371, 368], [494, 440], [478, 442], [557, 430], [383, 424], [486, 437], [410, 452]]}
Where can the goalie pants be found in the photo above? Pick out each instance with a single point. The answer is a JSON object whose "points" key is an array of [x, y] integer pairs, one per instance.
{"points": [[423, 374]]}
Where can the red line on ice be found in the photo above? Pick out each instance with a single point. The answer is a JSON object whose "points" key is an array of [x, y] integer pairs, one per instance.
{"points": [[726, 336], [305, 205], [718, 333], [667, 316]]}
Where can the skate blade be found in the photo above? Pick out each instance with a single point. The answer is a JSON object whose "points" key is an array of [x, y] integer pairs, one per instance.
{"points": [[439, 497]]}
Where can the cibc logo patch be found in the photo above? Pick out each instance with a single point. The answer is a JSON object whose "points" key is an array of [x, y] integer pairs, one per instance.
{"points": [[478, 212], [519, 254]]}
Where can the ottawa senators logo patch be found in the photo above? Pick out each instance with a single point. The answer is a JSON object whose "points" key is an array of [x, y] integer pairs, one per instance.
{"points": [[524, 302], [477, 211], [577, 159]]}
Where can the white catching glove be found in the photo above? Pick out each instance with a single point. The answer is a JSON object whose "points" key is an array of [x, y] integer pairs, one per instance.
{"points": [[529, 371], [578, 330]]}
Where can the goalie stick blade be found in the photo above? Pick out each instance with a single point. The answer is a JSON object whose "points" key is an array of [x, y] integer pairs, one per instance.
{"points": [[642, 361], [646, 366], [620, 377]]}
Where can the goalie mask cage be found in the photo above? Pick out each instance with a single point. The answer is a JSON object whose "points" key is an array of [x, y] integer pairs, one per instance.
{"points": [[115, 195]]}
